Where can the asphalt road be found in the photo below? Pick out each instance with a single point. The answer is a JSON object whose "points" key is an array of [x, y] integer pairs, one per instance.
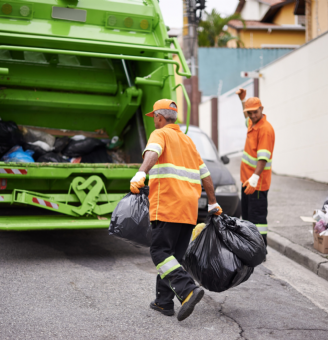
{"points": [[87, 285]]}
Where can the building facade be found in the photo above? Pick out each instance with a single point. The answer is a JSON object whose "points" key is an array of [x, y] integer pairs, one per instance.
{"points": [[268, 24]]}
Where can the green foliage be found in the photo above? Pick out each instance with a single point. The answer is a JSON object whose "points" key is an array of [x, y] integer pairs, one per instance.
{"points": [[212, 32]]}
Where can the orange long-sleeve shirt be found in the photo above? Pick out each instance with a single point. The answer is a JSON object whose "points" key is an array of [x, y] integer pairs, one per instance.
{"points": [[259, 146]]}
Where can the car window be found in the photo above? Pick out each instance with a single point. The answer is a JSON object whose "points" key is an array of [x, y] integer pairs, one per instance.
{"points": [[203, 145]]}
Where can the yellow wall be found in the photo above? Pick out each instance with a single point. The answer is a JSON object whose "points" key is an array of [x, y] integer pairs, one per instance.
{"points": [[319, 17], [285, 15], [256, 38], [179, 80]]}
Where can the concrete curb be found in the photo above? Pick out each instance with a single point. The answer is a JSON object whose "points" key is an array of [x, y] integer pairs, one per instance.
{"points": [[299, 254]]}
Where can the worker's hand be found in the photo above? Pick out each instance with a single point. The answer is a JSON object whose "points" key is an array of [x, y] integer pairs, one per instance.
{"points": [[214, 206], [251, 184], [137, 182], [241, 93]]}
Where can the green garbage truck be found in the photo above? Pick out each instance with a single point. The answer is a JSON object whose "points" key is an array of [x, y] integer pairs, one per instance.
{"points": [[72, 67]]}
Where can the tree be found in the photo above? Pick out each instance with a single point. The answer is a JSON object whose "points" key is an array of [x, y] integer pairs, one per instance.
{"points": [[212, 32]]}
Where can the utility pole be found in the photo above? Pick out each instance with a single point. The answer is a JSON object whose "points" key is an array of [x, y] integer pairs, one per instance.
{"points": [[308, 15], [192, 12]]}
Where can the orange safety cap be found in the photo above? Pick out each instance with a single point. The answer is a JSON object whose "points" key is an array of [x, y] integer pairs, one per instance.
{"points": [[162, 104], [252, 104]]}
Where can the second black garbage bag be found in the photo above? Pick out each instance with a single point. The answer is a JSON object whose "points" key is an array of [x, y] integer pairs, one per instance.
{"points": [[130, 219], [215, 257]]}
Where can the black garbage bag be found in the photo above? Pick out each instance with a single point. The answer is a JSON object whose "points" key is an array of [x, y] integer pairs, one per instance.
{"points": [[130, 219], [77, 148], [98, 155], [10, 136], [61, 143], [38, 151], [51, 157], [210, 261], [242, 238]]}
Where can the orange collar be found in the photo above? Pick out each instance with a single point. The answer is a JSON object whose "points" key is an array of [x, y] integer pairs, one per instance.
{"points": [[258, 124], [172, 126]]}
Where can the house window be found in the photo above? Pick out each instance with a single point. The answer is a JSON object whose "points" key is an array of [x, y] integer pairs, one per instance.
{"points": [[300, 20]]}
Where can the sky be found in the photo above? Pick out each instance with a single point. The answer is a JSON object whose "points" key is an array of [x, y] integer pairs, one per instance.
{"points": [[172, 10]]}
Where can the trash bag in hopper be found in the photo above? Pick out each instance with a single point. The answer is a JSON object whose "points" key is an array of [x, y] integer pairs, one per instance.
{"points": [[10, 136], [18, 155], [130, 219], [61, 143], [98, 155], [77, 148], [31, 136], [39, 148], [210, 261], [51, 157]]}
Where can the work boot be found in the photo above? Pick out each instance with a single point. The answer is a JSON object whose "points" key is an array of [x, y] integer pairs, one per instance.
{"points": [[167, 312], [189, 303]]}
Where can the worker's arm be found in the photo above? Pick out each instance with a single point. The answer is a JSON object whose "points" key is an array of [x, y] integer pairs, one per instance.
{"points": [[138, 181], [205, 176], [150, 159], [260, 167], [209, 188], [242, 95]]}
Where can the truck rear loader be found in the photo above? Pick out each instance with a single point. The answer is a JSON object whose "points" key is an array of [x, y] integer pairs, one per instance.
{"points": [[71, 67]]}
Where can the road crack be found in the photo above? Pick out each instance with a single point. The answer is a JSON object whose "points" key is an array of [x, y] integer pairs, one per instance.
{"points": [[219, 306]]}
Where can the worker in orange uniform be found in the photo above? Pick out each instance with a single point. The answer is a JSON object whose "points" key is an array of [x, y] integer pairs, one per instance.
{"points": [[175, 173], [256, 164]]}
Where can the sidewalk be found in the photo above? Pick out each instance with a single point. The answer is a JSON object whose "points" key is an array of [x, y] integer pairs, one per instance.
{"points": [[289, 198]]}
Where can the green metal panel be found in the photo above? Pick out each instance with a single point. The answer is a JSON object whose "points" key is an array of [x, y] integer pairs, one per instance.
{"points": [[21, 223], [58, 101], [54, 75]]}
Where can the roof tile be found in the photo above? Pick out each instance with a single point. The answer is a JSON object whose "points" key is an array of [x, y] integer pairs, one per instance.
{"points": [[250, 24]]}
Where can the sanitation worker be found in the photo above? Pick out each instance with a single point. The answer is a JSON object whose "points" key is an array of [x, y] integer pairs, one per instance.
{"points": [[256, 163], [175, 173]]}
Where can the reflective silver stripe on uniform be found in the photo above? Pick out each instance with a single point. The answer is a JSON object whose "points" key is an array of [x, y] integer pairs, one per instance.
{"points": [[204, 172], [172, 171], [167, 266], [252, 162], [268, 165], [153, 147], [263, 154], [262, 228], [249, 160]]}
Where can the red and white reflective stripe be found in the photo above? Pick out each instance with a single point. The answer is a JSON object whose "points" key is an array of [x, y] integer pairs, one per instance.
{"points": [[3, 183], [44, 203], [2, 198], [13, 171]]}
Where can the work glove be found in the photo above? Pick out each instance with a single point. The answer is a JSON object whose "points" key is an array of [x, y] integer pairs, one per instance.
{"points": [[137, 182], [251, 184], [215, 206], [241, 93]]}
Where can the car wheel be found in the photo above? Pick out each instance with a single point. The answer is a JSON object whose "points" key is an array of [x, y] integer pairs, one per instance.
{"points": [[238, 210]]}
